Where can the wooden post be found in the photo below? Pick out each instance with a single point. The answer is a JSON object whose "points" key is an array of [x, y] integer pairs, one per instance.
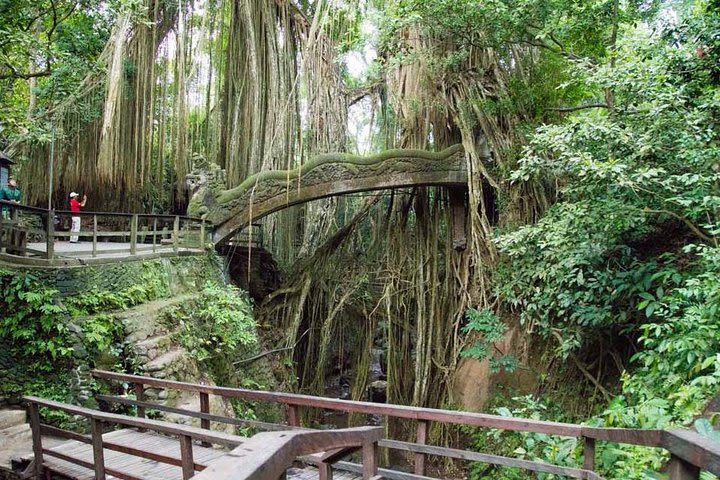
{"points": [[187, 234], [292, 416], [421, 439], [176, 233], [94, 251], [202, 234], [186, 456], [50, 233], [679, 469], [589, 454], [154, 233], [458, 210], [36, 437], [96, 431], [133, 234], [205, 408], [325, 471], [139, 389], [370, 460]]}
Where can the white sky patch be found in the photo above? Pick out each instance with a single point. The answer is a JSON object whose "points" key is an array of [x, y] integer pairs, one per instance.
{"points": [[357, 62]]}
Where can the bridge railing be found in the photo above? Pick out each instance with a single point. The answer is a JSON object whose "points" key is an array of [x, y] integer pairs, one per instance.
{"points": [[99, 421], [689, 452], [30, 231], [268, 455]]}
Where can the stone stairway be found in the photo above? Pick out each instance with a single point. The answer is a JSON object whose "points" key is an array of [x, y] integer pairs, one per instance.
{"points": [[160, 355], [16, 443], [15, 440]]}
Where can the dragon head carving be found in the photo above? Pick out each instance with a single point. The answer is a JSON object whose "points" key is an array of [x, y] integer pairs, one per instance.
{"points": [[204, 184]]}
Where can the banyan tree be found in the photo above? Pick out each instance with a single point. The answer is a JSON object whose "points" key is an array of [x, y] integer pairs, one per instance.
{"points": [[256, 85]]}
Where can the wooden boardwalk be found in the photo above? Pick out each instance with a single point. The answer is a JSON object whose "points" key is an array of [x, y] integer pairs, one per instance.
{"points": [[123, 465], [66, 253], [84, 249]]}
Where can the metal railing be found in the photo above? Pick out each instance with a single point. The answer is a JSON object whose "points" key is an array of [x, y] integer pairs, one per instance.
{"points": [[689, 452], [105, 232]]}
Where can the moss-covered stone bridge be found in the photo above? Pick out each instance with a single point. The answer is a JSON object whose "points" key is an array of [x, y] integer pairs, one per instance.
{"points": [[29, 235], [325, 176]]}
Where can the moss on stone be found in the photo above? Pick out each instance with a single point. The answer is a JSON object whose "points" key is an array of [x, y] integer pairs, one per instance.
{"points": [[345, 159]]}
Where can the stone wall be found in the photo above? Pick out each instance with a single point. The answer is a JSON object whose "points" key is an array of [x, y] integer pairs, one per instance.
{"points": [[173, 278], [178, 274]]}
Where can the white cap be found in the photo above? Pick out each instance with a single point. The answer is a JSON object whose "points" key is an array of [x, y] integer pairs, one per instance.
{"points": [[73, 194]]}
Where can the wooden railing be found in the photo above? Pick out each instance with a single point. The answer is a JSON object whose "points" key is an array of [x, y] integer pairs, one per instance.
{"points": [[136, 232], [268, 455], [264, 456], [99, 421], [689, 452], [251, 236]]}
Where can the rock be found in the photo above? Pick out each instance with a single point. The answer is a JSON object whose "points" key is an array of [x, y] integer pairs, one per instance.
{"points": [[377, 391]]}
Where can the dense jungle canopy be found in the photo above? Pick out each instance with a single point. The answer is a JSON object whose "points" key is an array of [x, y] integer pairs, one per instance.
{"points": [[590, 128]]}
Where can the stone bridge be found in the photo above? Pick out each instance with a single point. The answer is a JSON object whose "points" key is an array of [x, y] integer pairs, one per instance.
{"points": [[326, 176]]}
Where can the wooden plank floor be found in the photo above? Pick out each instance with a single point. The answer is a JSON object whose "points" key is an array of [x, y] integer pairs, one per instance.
{"points": [[145, 468], [128, 464], [311, 473]]}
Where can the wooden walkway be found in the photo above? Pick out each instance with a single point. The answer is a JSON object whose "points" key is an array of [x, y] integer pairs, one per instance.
{"points": [[84, 249], [118, 462], [122, 465]]}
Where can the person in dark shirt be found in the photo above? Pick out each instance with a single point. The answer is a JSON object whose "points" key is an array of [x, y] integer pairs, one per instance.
{"points": [[75, 207], [9, 193]]}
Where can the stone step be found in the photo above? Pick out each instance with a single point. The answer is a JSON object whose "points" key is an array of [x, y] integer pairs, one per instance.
{"points": [[15, 431], [141, 322], [11, 418], [154, 347], [15, 441], [14, 438], [19, 456], [161, 362]]}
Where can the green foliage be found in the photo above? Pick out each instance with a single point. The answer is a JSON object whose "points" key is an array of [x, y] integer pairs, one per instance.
{"points": [[100, 333], [97, 300], [47, 335], [629, 247], [32, 319], [621, 178], [529, 446], [54, 42], [678, 369], [490, 328], [219, 322]]}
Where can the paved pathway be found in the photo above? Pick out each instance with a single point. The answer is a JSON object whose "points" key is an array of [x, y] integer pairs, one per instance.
{"points": [[107, 250]]}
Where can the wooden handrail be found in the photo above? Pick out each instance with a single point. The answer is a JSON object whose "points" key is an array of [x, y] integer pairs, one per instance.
{"points": [[186, 233], [39, 210], [267, 455], [99, 444], [20, 206], [399, 411], [217, 438], [686, 447]]}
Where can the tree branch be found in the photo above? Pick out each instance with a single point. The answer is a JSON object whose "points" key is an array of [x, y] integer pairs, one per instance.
{"points": [[25, 76], [582, 368], [686, 221], [57, 21], [269, 352], [579, 107]]}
